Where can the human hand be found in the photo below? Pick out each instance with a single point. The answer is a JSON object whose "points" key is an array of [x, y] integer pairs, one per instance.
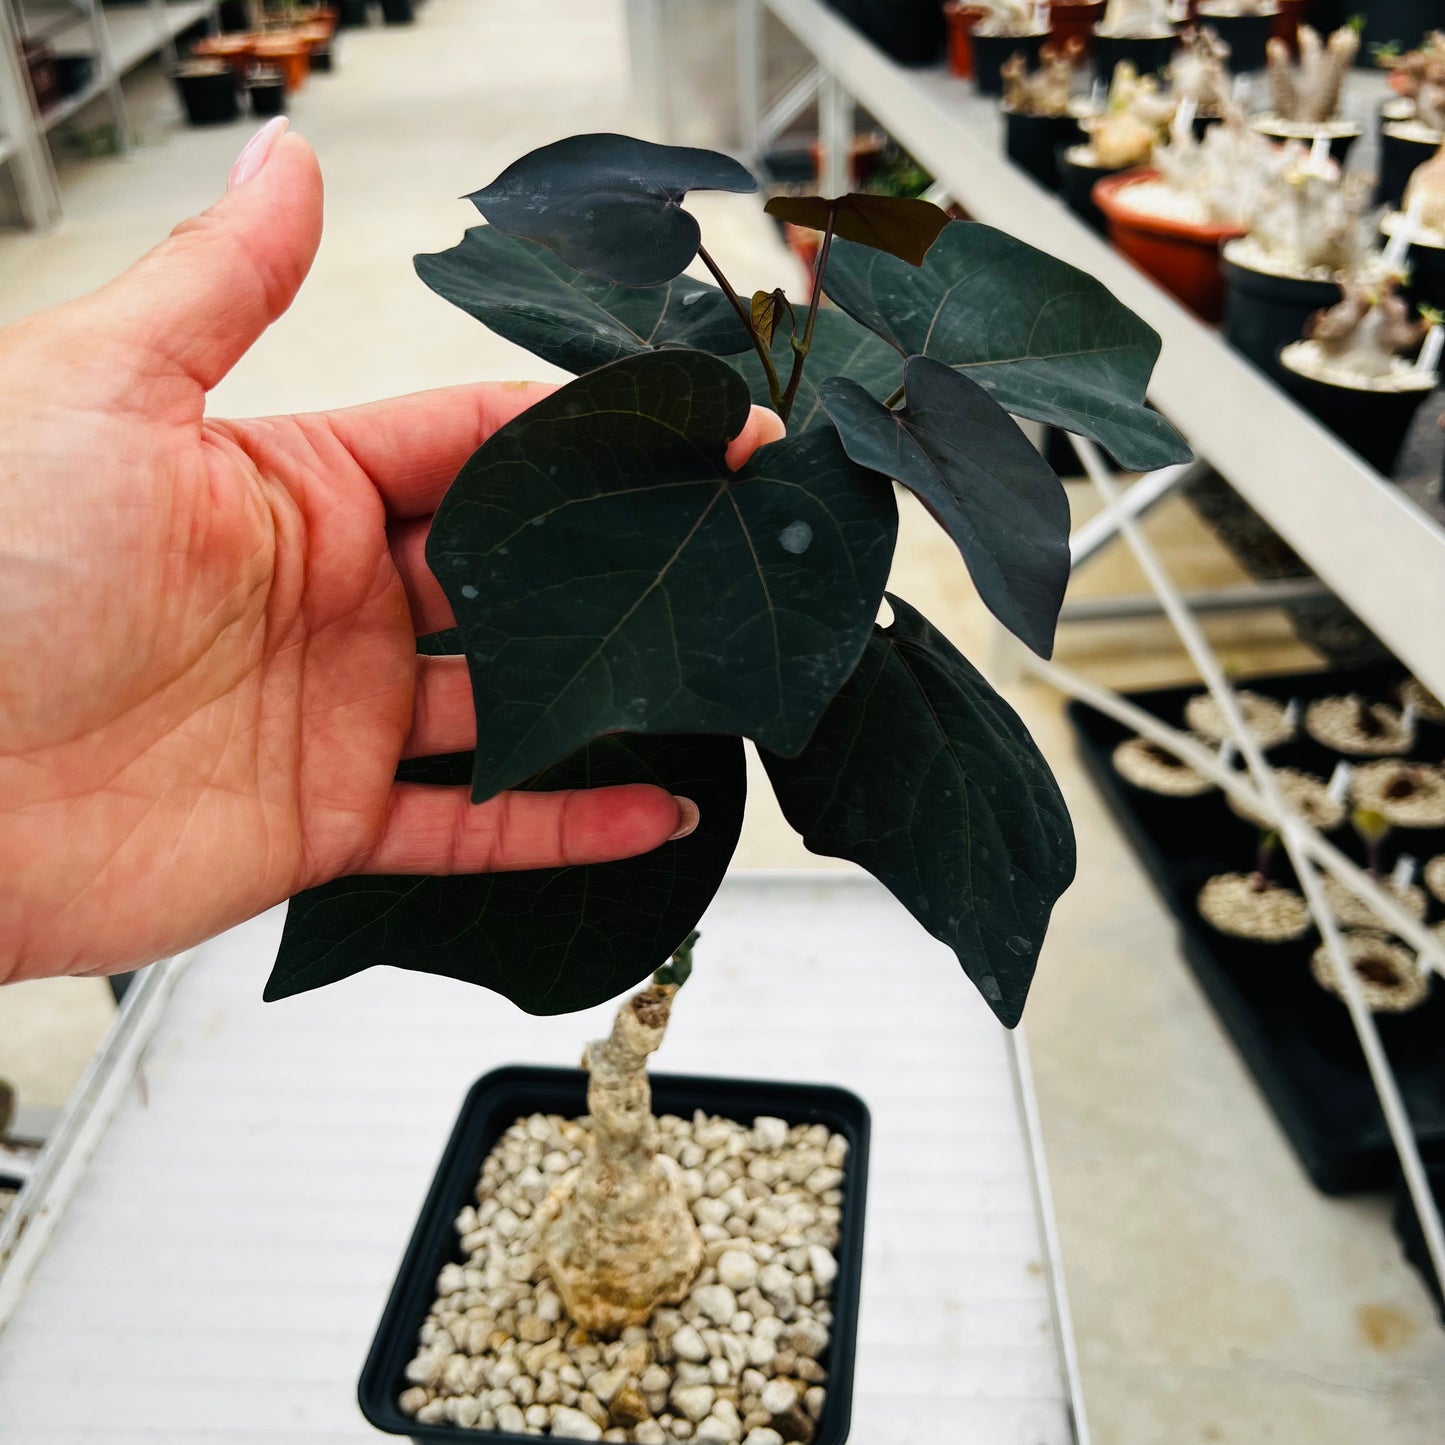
{"points": [[208, 669]]}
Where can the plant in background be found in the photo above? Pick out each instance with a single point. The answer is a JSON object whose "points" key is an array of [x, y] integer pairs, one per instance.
{"points": [[1308, 93], [1048, 90], [1200, 70], [1136, 18], [1135, 118], [631, 610], [1009, 17], [1425, 194], [1315, 220], [1419, 76], [1224, 178], [1364, 335]]}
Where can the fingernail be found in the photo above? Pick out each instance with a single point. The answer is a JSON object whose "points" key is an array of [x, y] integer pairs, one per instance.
{"points": [[253, 157], [688, 815]]}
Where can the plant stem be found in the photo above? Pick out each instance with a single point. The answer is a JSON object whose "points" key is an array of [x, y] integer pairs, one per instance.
{"points": [[800, 349], [775, 391]]}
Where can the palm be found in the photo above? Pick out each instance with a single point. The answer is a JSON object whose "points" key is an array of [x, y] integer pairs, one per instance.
{"points": [[208, 668]]}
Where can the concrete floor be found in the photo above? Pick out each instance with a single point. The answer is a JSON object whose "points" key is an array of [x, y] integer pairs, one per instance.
{"points": [[1216, 1297]]}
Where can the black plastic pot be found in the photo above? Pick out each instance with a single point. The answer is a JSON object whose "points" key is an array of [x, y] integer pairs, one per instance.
{"points": [[492, 1105], [74, 72], [1147, 54], [323, 59], [351, 12], [991, 51], [1032, 143], [1426, 286], [1076, 186], [1399, 156], [1245, 35], [1403, 22], [397, 12], [1339, 144], [911, 31], [209, 92], [1412, 1237], [1374, 423], [1264, 313], [267, 94]]}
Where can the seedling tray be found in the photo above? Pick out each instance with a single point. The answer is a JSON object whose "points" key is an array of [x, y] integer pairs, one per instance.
{"points": [[492, 1105], [1295, 1038]]}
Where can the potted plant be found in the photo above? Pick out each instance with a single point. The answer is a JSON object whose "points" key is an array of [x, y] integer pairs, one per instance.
{"points": [[1139, 31], [1305, 95], [1011, 27], [1309, 234], [910, 31], [1037, 109], [1199, 73], [208, 91], [1121, 137], [1423, 220], [961, 18], [1075, 20], [1349, 372], [266, 90], [628, 609], [1244, 26], [1412, 126]]}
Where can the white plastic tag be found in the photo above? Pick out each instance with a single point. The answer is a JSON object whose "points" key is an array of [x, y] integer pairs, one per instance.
{"points": [[1340, 782], [1402, 875]]}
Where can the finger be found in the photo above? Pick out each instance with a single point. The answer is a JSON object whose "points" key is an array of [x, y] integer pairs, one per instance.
{"points": [[443, 719], [762, 426], [195, 304], [430, 610], [412, 447], [440, 831]]}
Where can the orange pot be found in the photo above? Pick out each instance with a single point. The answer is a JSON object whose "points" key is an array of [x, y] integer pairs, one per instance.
{"points": [[1287, 23], [325, 15], [1181, 256], [1075, 20], [287, 50], [961, 20], [236, 49]]}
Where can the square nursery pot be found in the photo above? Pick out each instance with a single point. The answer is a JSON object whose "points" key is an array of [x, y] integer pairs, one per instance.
{"points": [[1399, 22], [910, 31], [492, 1105], [1263, 312], [1148, 54], [209, 91], [1032, 142], [1402, 149], [1341, 135], [991, 51], [1244, 34], [1076, 186]]}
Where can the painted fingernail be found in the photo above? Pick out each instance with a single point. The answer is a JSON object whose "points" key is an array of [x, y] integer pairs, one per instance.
{"points": [[253, 156], [687, 816]]}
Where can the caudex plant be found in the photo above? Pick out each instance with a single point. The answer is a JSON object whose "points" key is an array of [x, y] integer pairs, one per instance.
{"points": [[630, 609]]}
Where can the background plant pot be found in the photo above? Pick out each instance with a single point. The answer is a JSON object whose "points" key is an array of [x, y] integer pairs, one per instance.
{"points": [[1374, 423], [288, 51], [1075, 20], [492, 1105], [1076, 186], [1244, 34], [397, 12], [209, 91], [1033, 141], [1287, 21], [1182, 257], [266, 90], [1399, 156], [911, 31], [352, 12], [1147, 54], [1263, 313], [74, 72], [1426, 286], [1402, 21], [961, 19], [991, 51], [1339, 144]]}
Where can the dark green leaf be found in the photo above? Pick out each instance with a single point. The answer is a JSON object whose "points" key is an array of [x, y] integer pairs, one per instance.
{"points": [[1043, 339], [900, 225], [552, 940], [609, 574], [957, 449], [767, 311], [840, 348], [610, 205], [525, 293], [922, 774]]}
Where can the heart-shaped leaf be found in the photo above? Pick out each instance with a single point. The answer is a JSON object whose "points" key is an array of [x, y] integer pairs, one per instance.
{"points": [[523, 292], [953, 446], [1042, 338], [552, 940], [610, 205], [610, 574], [903, 226], [922, 774], [841, 347], [767, 311]]}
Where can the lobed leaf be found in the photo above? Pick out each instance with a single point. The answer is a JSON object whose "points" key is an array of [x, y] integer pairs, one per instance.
{"points": [[954, 447], [922, 774], [610, 205], [1044, 339], [608, 573]]}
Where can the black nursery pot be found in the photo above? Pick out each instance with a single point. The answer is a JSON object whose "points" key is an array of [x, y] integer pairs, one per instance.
{"points": [[1264, 313], [1245, 35], [1399, 156], [991, 51], [74, 72], [397, 12], [209, 93], [492, 1106], [1374, 423], [911, 31], [1032, 143], [351, 12], [1076, 186], [267, 94], [1426, 286], [1403, 22], [1148, 54]]}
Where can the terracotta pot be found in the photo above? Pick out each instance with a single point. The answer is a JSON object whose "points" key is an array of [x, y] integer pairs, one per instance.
{"points": [[961, 20], [236, 49], [1075, 20], [288, 51], [322, 15], [1287, 21], [1181, 256]]}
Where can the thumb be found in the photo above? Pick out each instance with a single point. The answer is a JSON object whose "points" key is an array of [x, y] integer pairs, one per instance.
{"points": [[197, 302]]}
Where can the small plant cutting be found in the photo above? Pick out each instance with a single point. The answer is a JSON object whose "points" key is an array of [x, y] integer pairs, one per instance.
{"points": [[1305, 95], [1038, 108], [630, 610]]}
